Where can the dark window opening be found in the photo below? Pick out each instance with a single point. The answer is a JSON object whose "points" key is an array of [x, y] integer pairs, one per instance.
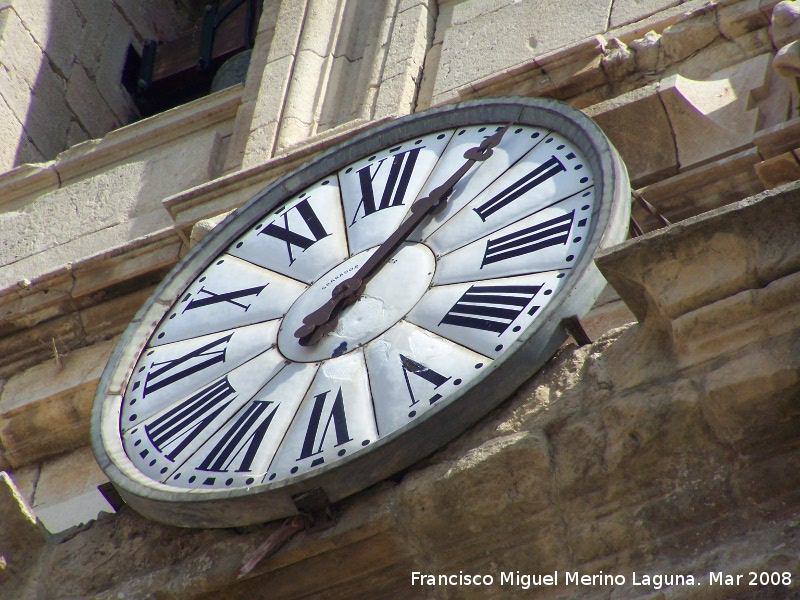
{"points": [[171, 73]]}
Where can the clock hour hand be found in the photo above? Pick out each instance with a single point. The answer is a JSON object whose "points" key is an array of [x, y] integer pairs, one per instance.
{"points": [[323, 320]]}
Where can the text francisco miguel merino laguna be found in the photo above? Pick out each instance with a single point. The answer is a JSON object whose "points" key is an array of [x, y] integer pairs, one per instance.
{"points": [[528, 580]]}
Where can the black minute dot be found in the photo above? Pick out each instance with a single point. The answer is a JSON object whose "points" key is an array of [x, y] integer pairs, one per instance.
{"points": [[271, 477], [219, 262], [482, 129], [365, 443], [462, 132], [148, 354], [161, 335], [249, 481], [163, 470], [535, 134], [560, 147], [137, 442], [326, 182], [177, 476], [303, 195], [342, 452], [548, 292], [584, 179], [479, 365], [457, 382], [152, 462], [293, 470], [132, 418], [192, 479], [173, 315], [498, 348], [548, 140], [577, 239], [418, 142], [228, 481], [440, 136], [578, 167], [561, 275], [570, 258], [585, 207], [516, 329], [202, 279], [348, 169], [395, 149], [518, 130], [371, 158]]}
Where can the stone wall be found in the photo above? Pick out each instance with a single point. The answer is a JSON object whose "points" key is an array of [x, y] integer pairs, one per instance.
{"points": [[668, 447], [649, 450], [61, 75]]}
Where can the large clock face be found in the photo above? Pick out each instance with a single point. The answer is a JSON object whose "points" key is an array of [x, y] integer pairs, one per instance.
{"points": [[213, 400]]}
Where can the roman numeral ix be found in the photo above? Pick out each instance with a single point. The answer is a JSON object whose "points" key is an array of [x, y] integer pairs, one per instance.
{"points": [[208, 355]]}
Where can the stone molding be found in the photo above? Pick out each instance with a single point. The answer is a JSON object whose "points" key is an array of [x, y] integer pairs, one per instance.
{"points": [[617, 456]]}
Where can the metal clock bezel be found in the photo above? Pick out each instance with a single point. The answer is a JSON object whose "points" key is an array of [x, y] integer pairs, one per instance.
{"points": [[419, 438]]}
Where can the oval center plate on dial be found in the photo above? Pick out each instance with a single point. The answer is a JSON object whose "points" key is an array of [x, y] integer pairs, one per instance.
{"points": [[402, 282]]}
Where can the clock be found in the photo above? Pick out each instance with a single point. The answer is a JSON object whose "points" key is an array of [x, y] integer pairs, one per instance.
{"points": [[360, 312]]}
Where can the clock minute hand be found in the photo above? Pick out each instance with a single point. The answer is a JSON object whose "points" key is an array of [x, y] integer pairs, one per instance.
{"points": [[323, 320]]}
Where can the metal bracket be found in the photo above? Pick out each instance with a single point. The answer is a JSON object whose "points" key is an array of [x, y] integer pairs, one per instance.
{"points": [[316, 505], [146, 68], [652, 210], [575, 328], [110, 493]]}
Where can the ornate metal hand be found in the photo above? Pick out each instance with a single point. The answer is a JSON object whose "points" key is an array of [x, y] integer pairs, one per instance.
{"points": [[324, 320]]}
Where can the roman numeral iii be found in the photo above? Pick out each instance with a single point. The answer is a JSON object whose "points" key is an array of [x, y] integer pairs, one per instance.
{"points": [[490, 307], [531, 239]]}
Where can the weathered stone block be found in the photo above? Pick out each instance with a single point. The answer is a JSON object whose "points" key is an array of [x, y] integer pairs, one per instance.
{"points": [[45, 410], [500, 34], [66, 493], [628, 11], [639, 127], [21, 537], [56, 27], [85, 101], [719, 106], [778, 170]]}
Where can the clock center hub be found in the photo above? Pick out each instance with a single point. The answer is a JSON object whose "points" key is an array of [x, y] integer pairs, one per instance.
{"points": [[387, 297]]}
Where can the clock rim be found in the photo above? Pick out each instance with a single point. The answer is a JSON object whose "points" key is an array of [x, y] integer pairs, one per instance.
{"points": [[420, 437]]}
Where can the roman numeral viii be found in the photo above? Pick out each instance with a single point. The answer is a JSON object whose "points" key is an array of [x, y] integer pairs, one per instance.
{"points": [[293, 238], [547, 170], [490, 307], [176, 428], [396, 185], [542, 235]]}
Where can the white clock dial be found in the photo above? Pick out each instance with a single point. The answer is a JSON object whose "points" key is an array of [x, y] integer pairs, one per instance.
{"points": [[332, 331]]}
